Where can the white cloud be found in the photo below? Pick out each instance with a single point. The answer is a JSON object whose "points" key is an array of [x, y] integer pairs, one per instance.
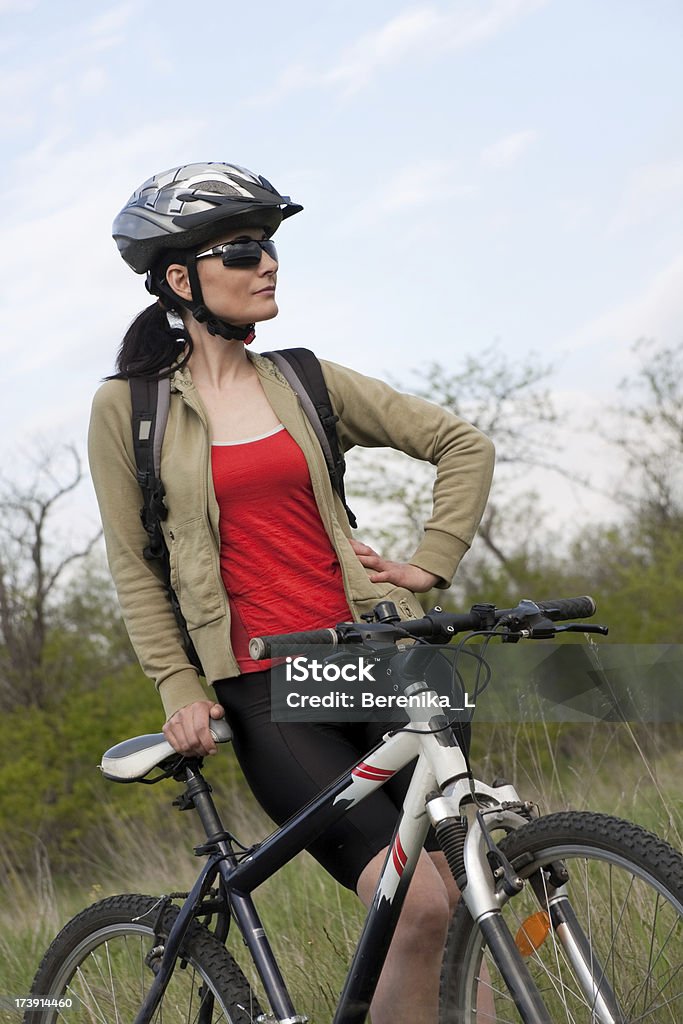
{"points": [[427, 182], [420, 32], [425, 31], [404, 34], [574, 214], [43, 89], [104, 167], [508, 150], [17, 89], [93, 81], [650, 192], [656, 312], [58, 260], [106, 29], [12, 6], [412, 187]]}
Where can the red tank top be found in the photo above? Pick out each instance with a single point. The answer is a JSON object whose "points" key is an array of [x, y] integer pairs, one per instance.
{"points": [[278, 565]]}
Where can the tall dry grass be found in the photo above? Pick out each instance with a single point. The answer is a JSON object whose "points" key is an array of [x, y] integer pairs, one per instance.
{"points": [[311, 922]]}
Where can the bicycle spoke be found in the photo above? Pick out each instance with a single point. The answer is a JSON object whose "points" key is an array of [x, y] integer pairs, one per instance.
{"points": [[615, 951], [589, 909], [105, 968], [667, 1002], [556, 980], [113, 988], [503, 993], [94, 1006], [654, 963], [649, 1009], [553, 936]]}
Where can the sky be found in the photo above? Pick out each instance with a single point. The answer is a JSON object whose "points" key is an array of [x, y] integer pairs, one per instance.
{"points": [[473, 172]]}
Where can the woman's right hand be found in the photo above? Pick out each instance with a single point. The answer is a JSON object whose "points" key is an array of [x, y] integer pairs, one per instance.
{"points": [[188, 729]]}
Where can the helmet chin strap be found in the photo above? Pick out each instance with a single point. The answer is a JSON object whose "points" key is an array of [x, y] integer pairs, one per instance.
{"points": [[203, 315], [214, 325]]}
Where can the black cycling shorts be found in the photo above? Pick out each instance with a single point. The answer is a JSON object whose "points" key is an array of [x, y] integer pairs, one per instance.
{"points": [[286, 764]]}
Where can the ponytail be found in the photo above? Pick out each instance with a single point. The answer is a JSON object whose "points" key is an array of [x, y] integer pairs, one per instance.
{"points": [[151, 347]]}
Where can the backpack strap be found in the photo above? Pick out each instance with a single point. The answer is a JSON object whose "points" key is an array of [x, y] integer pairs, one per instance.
{"points": [[301, 369], [150, 402], [150, 398]]}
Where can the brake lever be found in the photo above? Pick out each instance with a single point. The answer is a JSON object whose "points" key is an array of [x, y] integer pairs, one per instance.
{"points": [[583, 627], [548, 631]]}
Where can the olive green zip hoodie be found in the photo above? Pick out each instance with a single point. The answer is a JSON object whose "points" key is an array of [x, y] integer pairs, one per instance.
{"points": [[370, 413]]}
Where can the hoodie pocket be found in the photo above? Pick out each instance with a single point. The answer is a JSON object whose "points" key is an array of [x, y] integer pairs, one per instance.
{"points": [[194, 573]]}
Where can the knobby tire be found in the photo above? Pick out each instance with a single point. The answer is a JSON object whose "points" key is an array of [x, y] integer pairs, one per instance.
{"points": [[626, 889], [102, 961]]}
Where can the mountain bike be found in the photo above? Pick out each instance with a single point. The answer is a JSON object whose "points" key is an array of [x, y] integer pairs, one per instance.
{"points": [[572, 917]]}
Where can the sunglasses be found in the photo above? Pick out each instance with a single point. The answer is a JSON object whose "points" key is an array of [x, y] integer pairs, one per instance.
{"points": [[244, 252]]}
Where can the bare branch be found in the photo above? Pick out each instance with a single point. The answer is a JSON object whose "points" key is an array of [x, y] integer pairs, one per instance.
{"points": [[507, 399], [33, 564], [75, 556], [647, 428]]}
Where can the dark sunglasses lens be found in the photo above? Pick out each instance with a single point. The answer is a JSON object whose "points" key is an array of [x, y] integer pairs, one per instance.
{"points": [[268, 247], [247, 254]]}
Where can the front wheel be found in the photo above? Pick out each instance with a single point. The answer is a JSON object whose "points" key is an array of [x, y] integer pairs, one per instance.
{"points": [[102, 963], [599, 921]]}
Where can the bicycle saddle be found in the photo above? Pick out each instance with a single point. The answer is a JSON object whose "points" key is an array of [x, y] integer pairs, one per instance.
{"points": [[133, 759]]}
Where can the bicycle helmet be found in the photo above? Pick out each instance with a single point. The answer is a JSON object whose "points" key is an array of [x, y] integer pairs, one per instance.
{"points": [[176, 212]]}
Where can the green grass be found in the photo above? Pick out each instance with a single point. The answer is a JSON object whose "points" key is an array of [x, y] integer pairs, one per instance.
{"points": [[311, 922]]}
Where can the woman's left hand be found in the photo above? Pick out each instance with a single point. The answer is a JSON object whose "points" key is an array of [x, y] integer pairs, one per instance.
{"points": [[401, 574]]}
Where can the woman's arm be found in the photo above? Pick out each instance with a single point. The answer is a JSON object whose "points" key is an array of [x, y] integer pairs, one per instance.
{"points": [[372, 414], [145, 607]]}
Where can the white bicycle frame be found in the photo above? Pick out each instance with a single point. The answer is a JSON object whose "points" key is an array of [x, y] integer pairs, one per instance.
{"points": [[441, 793]]}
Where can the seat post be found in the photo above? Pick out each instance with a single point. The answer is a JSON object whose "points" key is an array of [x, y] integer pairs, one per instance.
{"points": [[198, 795]]}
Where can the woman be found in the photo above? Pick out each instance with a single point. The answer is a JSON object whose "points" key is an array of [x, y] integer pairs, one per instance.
{"points": [[259, 542]]}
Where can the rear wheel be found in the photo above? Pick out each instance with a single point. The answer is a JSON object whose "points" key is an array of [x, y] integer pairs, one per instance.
{"points": [[604, 947], [102, 963]]}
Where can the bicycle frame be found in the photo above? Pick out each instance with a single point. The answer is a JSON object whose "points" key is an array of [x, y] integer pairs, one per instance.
{"points": [[240, 878], [440, 762], [440, 791]]}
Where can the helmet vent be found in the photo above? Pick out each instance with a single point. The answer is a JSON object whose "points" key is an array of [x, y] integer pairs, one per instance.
{"points": [[221, 187]]}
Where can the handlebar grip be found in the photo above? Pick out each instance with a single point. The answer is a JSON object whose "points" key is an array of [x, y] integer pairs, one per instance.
{"points": [[261, 646], [568, 608]]}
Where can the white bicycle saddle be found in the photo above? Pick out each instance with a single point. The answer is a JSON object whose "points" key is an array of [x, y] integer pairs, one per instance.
{"points": [[133, 759]]}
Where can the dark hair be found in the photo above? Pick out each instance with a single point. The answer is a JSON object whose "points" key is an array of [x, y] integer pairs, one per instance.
{"points": [[150, 346]]}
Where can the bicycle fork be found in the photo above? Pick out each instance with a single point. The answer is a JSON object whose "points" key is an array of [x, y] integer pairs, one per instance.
{"points": [[487, 881]]}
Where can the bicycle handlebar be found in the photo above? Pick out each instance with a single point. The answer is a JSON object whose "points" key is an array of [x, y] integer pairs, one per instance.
{"points": [[311, 637], [436, 625], [568, 608]]}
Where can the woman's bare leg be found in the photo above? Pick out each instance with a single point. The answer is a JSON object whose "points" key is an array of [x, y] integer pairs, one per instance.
{"points": [[408, 989]]}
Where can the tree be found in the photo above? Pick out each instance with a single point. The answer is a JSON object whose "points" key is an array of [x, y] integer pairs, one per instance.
{"points": [[648, 431], [507, 399], [34, 564]]}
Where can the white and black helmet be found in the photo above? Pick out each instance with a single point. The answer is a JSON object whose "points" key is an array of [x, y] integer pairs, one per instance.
{"points": [[186, 206], [182, 209]]}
